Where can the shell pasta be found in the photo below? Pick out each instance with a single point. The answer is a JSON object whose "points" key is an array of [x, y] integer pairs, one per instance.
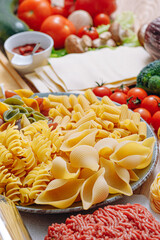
{"points": [[92, 152]]}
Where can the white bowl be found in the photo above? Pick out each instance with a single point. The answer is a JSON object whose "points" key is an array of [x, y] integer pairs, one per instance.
{"points": [[29, 37]]}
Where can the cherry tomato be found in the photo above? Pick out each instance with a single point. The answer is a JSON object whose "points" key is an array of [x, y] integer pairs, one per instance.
{"points": [[135, 96], [151, 103], [101, 19], [58, 10], [119, 97], [155, 120], [145, 114], [90, 31], [9, 93], [96, 6], [102, 91], [122, 88], [59, 28], [34, 12]]}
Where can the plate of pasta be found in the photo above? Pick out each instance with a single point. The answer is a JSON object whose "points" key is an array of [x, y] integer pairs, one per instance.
{"points": [[73, 152]]}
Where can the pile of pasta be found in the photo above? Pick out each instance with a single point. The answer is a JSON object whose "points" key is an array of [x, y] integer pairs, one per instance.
{"points": [[93, 152]]}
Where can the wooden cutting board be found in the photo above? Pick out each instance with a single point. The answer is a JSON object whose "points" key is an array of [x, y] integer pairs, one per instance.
{"points": [[10, 79]]}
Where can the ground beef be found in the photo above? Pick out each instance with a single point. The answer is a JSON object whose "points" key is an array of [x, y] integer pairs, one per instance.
{"points": [[120, 222]]}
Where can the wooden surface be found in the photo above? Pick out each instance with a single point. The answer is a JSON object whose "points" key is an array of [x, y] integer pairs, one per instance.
{"points": [[9, 77]]}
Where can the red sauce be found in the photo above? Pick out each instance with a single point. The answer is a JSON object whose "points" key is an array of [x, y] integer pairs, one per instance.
{"points": [[26, 49]]}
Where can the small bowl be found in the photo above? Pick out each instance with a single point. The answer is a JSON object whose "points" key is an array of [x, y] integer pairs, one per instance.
{"points": [[29, 37]]}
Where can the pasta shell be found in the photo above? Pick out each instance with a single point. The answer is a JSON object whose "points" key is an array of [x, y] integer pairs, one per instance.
{"points": [[86, 173], [60, 193], [148, 142], [85, 156], [63, 170], [86, 137], [130, 154], [105, 146], [117, 177], [94, 189]]}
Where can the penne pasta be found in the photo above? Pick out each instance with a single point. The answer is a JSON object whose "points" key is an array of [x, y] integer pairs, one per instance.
{"points": [[83, 102], [124, 112], [142, 131]]}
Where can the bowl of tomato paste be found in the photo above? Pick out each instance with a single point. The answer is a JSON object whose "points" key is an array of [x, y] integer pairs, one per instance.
{"points": [[20, 46]]}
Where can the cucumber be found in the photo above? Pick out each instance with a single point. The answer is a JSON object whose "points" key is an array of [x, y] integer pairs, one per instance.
{"points": [[9, 23]]}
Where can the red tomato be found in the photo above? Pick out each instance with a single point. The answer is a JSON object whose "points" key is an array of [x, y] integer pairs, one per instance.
{"points": [[59, 28], [101, 19], [97, 6], [20, 1], [102, 91], [145, 114], [9, 93], [155, 120], [34, 12], [119, 97], [88, 30], [135, 96], [151, 103], [69, 5], [122, 88], [58, 10]]}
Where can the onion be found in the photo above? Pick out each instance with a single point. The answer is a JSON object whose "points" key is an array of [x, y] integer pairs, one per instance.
{"points": [[80, 18], [152, 38]]}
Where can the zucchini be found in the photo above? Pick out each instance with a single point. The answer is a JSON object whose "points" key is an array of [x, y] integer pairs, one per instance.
{"points": [[9, 23]]}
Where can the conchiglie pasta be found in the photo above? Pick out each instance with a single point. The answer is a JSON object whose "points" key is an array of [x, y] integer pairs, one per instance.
{"points": [[60, 193], [94, 189], [105, 146], [149, 142], [85, 156], [130, 154], [86, 137], [63, 170], [117, 177]]}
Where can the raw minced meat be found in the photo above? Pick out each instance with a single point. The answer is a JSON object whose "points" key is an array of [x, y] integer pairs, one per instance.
{"points": [[121, 222]]}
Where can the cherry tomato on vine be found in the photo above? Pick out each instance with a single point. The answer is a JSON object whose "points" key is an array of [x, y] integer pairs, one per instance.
{"points": [[151, 103], [90, 31], [59, 28], [119, 97], [102, 91], [135, 96], [34, 12], [145, 114], [122, 88], [101, 19], [155, 120]]}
